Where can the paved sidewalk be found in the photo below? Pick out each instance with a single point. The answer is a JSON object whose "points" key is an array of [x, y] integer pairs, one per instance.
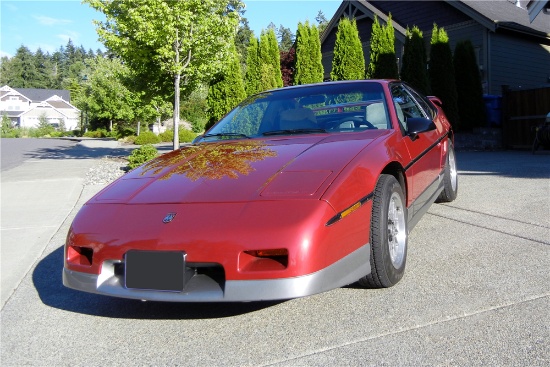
{"points": [[37, 196]]}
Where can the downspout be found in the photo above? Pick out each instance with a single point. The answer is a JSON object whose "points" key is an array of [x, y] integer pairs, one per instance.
{"points": [[489, 66]]}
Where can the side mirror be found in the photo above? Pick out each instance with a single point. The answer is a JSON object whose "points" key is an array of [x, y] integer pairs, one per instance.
{"points": [[418, 125]]}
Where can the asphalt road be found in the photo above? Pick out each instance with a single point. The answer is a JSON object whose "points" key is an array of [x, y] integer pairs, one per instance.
{"points": [[476, 292], [16, 151]]}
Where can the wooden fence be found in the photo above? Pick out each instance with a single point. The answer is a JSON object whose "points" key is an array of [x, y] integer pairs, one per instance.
{"points": [[522, 112]]}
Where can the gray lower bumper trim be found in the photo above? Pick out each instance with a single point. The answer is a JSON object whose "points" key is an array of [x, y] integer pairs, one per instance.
{"points": [[201, 288]]}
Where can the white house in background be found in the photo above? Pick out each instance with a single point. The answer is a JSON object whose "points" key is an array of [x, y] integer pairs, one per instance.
{"points": [[25, 107]]}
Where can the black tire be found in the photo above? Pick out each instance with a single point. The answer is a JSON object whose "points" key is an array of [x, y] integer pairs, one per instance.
{"points": [[388, 235], [450, 178]]}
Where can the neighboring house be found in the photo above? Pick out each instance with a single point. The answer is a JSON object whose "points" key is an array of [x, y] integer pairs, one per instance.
{"points": [[25, 107], [511, 51]]}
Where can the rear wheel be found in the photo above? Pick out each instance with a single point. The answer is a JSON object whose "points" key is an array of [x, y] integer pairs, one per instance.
{"points": [[388, 235], [450, 178]]}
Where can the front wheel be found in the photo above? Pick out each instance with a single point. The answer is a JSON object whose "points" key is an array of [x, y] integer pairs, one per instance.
{"points": [[388, 235]]}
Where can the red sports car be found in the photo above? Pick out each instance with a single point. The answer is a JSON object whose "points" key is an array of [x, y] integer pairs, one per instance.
{"points": [[294, 192]]}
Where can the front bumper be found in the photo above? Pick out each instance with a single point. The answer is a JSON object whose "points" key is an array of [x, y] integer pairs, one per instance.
{"points": [[201, 288]]}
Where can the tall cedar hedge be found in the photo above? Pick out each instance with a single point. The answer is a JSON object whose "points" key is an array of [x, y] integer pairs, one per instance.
{"points": [[253, 67], [226, 91], [415, 64], [348, 62], [442, 74], [270, 56], [309, 66], [471, 108], [383, 62]]}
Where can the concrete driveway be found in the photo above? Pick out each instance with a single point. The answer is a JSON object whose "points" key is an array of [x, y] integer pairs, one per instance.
{"points": [[476, 292]]}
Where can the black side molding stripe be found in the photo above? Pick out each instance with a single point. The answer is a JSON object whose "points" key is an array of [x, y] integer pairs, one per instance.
{"points": [[350, 209], [426, 151]]}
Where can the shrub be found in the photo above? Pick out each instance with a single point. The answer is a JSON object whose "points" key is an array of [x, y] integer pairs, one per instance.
{"points": [[131, 139], [99, 133], [141, 155], [167, 136], [147, 137], [122, 132], [186, 136]]}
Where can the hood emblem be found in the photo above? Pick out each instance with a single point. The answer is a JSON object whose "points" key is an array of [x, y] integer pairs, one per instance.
{"points": [[169, 217]]}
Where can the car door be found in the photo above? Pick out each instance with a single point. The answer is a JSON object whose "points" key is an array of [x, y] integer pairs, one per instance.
{"points": [[425, 149]]}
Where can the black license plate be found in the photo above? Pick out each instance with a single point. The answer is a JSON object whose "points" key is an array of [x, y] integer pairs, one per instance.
{"points": [[155, 270]]}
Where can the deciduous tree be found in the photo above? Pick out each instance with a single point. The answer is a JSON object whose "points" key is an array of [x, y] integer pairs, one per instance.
{"points": [[185, 41]]}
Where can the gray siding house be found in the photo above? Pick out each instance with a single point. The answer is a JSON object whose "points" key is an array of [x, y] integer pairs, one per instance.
{"points": [[511, 50]]}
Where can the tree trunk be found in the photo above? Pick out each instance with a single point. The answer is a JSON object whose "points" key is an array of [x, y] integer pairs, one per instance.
{"points": [[176, 112]]}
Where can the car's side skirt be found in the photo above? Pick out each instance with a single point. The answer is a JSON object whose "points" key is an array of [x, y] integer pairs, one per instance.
{"points": [[202, 289], [421, 205]]}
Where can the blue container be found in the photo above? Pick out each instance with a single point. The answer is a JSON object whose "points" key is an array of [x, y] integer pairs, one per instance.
{"points": [[493, 108]]}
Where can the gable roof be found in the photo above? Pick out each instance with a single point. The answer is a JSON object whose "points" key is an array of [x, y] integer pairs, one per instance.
{"points": [[494, 14], [535, 7], [6, 91], [39, 95], [504, 14]]}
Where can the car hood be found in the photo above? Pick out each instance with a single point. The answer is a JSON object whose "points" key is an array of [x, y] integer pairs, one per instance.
{"points": [[239, 171]]}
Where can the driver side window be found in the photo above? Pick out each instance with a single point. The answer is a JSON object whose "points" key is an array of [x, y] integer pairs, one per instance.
{"points": [[405, 105]]}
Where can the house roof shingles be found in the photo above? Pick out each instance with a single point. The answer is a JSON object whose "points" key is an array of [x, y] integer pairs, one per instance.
{"points": [[39, 95], [505, 13]]}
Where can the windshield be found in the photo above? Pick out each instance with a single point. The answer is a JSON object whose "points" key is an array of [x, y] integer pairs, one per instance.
{"points": [[320, 108]]}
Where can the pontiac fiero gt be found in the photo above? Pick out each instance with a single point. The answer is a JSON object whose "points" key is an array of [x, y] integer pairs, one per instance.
{"points": [[294, 192]]}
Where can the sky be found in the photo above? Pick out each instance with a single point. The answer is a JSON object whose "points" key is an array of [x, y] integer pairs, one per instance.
{"points": [[49, 24]]}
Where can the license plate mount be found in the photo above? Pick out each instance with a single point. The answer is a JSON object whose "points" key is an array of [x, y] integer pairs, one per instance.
{"points": [[155, 270]]}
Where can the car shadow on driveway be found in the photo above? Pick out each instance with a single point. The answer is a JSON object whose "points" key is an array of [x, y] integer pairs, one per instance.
{"points": [[47, 280]]}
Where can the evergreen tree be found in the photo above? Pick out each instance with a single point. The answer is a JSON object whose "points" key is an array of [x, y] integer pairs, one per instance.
{"points": [[309, 66], [471, 109], [269, 54], [348, 62], [268, 80], [44, 70], [242, 40], [414, 70], [5, 70], [383, 62], [226, 91], [23, 69], [286, 38], [253, 67], [442, 74], [321, 21]]}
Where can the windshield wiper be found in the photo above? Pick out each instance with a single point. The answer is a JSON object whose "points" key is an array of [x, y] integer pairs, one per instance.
{"points": [[228, 135], [294, 131]]}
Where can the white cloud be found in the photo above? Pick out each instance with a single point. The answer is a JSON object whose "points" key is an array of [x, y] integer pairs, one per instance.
{"points": [[48, 21], [5, 54], [69, 35]]}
